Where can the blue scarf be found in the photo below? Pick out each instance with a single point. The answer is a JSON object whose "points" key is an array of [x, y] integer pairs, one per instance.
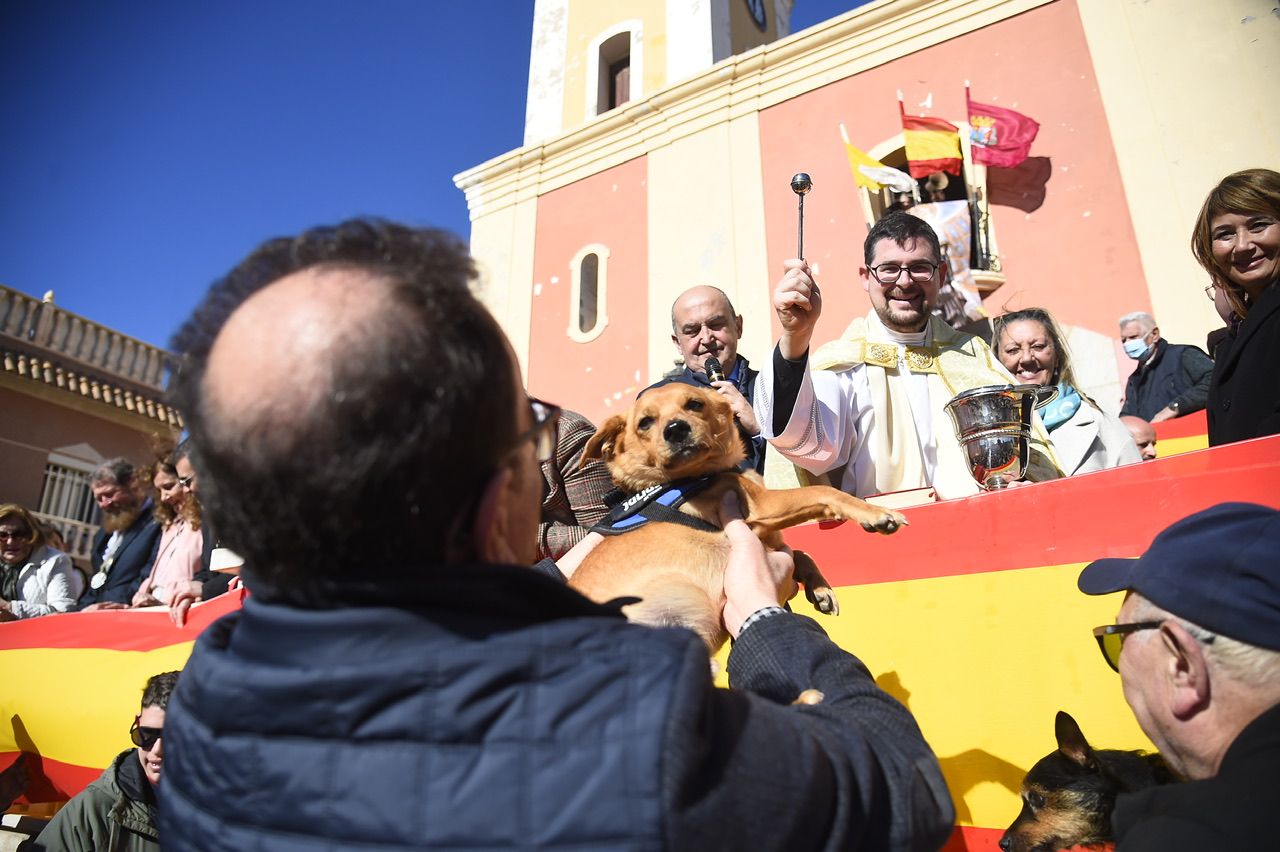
{"points": [[1063, 407]]}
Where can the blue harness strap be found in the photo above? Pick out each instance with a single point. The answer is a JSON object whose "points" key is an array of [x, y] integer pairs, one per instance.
{"points": [[656, 503]]}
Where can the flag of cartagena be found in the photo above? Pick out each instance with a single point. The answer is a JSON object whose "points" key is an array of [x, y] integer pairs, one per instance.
{"points": [[933, 145], [1000, 137]]}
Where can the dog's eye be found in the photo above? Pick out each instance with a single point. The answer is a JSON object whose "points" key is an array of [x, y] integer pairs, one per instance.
{"points": [[1035, 800], [644, 424], [693, 405]]}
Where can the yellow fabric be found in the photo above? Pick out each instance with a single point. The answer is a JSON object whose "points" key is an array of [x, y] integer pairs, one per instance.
{"points": [[931, 144], [954, 362], [860, 158]]}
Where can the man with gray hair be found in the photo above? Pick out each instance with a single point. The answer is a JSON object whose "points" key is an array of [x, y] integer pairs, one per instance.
{"points": [[1172, 379], [1197, 646], [125, 546]]}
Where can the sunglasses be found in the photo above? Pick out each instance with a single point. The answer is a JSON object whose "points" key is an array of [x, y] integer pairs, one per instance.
{"points": [[145, 738], [1111, 638]]}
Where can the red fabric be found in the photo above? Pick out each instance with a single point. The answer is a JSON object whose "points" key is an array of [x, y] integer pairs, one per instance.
{"points": [[1008, 135]]}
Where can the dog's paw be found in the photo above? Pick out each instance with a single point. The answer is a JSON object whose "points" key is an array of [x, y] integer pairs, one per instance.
{"points": [[823, 599], [886, 521], [809, 696]]}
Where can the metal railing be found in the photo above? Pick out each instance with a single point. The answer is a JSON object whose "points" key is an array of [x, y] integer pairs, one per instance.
{"points": [[77, 536]]}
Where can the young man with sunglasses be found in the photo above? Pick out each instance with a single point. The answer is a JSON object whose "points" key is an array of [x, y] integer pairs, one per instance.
{"points": [[119, 810], [400, 678], [1197, 646], [869, 408]]}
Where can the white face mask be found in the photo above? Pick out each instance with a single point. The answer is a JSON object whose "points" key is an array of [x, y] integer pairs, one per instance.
{"points": [[1135, 348]]}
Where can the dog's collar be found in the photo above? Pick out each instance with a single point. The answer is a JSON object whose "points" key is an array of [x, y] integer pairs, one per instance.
{"points": [[656, 503]]}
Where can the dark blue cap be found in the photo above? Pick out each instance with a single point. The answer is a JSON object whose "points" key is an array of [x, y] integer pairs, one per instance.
{"points": [[1219, 568]]}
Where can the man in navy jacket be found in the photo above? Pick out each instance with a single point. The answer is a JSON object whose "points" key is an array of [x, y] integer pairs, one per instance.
{"points": [[399, 678], [125, 546]]}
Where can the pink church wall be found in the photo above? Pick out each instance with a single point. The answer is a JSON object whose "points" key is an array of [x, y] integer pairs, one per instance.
{"points": [[1075, 255], [602, 376]]}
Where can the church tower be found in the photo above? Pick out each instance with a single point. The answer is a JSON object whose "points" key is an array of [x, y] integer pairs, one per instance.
{"points": [[591, 56]]}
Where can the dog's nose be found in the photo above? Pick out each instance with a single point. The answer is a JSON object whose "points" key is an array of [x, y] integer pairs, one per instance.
{"points": [[675, 431], [1005, 843]]}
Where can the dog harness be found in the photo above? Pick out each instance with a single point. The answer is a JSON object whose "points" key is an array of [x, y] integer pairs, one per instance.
{"points": [[656, 503]]}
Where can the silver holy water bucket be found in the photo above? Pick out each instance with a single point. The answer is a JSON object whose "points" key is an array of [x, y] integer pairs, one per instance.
{"points": [[993, 424]]}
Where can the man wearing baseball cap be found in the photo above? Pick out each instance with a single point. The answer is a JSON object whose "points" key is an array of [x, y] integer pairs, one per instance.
{"points": [[1197, 645]]}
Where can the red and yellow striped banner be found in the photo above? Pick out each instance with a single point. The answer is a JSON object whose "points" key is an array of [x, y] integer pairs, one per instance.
{"points": [[72, 684], [970, 616]]}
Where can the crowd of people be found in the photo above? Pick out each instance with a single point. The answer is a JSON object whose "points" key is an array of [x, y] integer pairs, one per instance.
{"points": [[395, 631]]}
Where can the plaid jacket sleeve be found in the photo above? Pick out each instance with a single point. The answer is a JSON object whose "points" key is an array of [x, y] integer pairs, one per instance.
{"points": [[574, 498]]}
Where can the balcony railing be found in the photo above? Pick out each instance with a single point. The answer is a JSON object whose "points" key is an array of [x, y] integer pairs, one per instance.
{"points": [[42, 328], [77, 536]]}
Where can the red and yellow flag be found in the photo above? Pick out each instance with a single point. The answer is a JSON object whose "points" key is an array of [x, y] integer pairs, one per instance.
{"points": [[933, 144]]}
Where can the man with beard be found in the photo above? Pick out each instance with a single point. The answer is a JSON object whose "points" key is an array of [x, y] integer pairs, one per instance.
{"points": [[868, 409], [125, 546]]}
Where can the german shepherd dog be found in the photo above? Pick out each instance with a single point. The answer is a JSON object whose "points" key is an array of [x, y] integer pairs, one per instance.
{"points": [[1068, 796], [679, 433]]}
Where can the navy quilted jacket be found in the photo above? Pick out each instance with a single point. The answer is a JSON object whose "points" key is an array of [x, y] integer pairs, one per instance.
{"points": [[492, 708]]}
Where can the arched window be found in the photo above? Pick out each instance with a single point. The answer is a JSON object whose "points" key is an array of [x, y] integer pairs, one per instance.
{"points": [[588, 302], [615, 68]]}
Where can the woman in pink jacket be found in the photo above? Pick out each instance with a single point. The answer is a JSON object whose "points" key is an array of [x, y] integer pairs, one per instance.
{"points": [[178, 555]]}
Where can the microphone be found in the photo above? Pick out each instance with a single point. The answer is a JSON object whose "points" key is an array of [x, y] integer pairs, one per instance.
{"points": [[715, 372]]}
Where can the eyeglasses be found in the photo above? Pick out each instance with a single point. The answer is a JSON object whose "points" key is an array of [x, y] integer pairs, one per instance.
{"points": [[919, 271], [546, 417], [1111, 638], [14, 535], [144, 738], [1209, 290], [185, 481]]}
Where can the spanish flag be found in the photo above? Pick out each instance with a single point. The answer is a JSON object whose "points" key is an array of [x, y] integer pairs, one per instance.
{"points": [[73, 682], [933, 145]]}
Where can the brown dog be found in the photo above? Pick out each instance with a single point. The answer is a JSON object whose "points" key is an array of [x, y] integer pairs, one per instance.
{"points": [[679, 432]]}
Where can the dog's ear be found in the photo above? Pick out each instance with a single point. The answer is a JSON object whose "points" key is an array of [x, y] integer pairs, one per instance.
{"points": [[605, 443], [1071, 741]]}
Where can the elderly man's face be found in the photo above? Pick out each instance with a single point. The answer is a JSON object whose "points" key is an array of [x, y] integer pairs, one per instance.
{"points": [[704, 325], [1144, 666], [113, 498]]}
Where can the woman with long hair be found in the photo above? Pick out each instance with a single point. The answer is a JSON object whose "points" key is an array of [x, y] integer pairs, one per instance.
{"points": [[178, 554], [1031, 346], [1237, 241]]}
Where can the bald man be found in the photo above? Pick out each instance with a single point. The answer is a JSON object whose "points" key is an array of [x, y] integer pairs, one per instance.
{"points": [[1143, 434], [705, 325], [400, 678]]}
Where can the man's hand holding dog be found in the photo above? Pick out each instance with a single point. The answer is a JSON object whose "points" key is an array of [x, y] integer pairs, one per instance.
{"points": [[754, 578], [742, 410], [798, 303]]}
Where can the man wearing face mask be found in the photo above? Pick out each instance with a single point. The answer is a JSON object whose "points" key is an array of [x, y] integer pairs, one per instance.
{"points": [[1172, 379]]}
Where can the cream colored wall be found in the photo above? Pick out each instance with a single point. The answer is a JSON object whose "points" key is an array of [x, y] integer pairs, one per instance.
{"points": [[502, 241], [585, 24], [544, 103], [708, 230], [1189, 91]]}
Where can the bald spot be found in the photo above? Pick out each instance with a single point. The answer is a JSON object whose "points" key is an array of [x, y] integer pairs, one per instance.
{"points": [[705, 293], [274, 360]]}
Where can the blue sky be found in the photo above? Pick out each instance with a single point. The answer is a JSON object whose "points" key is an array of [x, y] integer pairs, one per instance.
{"points": [[148, 146]]}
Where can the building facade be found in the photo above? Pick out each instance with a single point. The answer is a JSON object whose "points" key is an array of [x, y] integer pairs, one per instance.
{"points": [[587, 233]]}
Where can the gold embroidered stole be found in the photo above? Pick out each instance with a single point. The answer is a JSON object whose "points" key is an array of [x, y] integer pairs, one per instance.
{"points": [[952, 362]]}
